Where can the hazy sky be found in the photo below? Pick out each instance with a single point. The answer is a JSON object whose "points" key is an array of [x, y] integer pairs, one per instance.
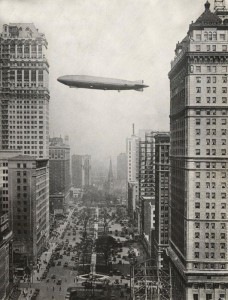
{"points": [[127, 39]]}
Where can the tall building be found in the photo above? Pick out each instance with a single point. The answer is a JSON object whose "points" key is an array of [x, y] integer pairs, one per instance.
{"points": [[29, 205], [160, 240], [81, 170], [122, 166], [59, 173], [147, 186], [199, 160], [24, 93], [5, 155], [132, 144]]}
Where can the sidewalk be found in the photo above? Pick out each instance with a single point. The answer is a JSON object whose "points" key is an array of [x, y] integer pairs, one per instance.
{"points": [[45, 256]]}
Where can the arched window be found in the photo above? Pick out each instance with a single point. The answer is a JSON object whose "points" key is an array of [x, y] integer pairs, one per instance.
{"points": [[210, 36], [205, 36], [214, 36]]}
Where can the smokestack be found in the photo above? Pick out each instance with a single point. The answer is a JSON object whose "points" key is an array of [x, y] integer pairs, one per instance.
{"points": [[133, 129]]}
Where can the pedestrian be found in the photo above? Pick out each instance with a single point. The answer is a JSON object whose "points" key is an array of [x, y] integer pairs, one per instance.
{"points": [[60, 288], [53, 288]]}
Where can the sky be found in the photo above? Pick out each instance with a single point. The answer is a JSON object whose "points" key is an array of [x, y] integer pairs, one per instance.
{"points": [[125, 39]]}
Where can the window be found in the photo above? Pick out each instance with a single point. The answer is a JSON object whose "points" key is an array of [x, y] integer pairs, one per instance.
{"points": [[198, 79], [224, 90], [224, 79], [208, 79], [198, 48], [214, 79], [196, 254], [208, 48], [224, 69], [198, 89], [208, 68], [213, 47], [197, 205], [197, 121], [208, 89], [197, 174], [224, 99], [198, 99], [208, 99], [198, 69], [197, 215], [196, 245], [197, 142], [224, 48], [222, 37], [198, 37]]}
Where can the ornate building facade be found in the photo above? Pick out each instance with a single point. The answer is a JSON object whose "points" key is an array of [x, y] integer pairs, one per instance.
{"points": [[24, 92], [199, 160]]}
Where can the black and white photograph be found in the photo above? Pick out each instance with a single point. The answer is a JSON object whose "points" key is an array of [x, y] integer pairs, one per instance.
{"points": [[113, 150]]}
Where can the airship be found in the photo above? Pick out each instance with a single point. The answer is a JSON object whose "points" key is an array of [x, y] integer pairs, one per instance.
{"points": [[101, 83]]}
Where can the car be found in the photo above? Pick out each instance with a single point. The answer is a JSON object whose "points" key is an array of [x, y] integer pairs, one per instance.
{"points": [[53, 276], [59, 282], [65, 264], [59, 263]]}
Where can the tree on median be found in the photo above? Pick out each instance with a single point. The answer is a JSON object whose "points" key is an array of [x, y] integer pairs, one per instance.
{"points": [[105, 245]]}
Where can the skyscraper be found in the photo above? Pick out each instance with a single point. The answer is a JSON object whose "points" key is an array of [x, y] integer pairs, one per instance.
{"points": [[81, 170], [161, 229], [132, 144], [199, 161], [59, 173], [24, 93]]}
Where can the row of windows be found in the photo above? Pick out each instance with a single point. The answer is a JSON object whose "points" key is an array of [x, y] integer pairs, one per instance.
{"points": [[211, 131], [212, 165], [211, 112], [210, 205], [210, 225], [208, 266], [211, 90], [207, 254], [209, 69], [209, 216], [211, 152], [210, 121], [210, 185], [211, 48], [209, 195], [211, 79], [211, 142], [210, 36]]}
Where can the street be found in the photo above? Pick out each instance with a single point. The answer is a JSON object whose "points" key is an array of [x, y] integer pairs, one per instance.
{"points": [[60, 266]]}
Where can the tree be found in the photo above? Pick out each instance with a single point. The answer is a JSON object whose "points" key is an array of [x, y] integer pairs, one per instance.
{"points": [[107, 218], [105, 245]]}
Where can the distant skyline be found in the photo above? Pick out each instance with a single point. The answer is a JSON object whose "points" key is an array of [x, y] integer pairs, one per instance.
{"points": [[130, 39]]}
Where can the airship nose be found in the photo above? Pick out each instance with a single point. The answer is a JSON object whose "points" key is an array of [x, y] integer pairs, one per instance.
{"points": [[61, 79]]}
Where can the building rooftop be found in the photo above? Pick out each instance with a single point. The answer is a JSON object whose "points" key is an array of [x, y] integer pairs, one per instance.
{"points": [[207, 19], [22, 30], [26, 158]]}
